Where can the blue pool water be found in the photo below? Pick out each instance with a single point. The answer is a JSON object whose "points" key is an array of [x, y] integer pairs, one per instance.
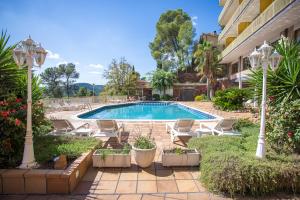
{"points": [[146, 111]]}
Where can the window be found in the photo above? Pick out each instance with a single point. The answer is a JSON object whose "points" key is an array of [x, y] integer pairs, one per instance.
{"points": [[297, 35], [246, 63], [234, 68]]}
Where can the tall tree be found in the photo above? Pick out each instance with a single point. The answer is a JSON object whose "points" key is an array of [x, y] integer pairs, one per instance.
{"points": [[207, 64], [82, 92], [121, 78], [69, 73], [173, 43], [9, 72], [162, 80], [51, 79]]}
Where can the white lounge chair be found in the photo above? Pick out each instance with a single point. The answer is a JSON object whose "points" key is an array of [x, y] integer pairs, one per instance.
{"points": [[109, 128], [62, 126], [223, 127], [182, 127]]}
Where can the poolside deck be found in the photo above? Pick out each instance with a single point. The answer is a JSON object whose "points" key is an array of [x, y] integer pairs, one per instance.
{"points": [[134, 183]]}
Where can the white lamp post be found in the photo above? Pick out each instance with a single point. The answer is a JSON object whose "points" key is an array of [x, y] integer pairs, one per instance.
{"points": [[25, 54], [263, 56]]}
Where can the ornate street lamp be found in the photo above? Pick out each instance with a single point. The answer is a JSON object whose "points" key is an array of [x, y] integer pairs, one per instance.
{"points": [[26, 54], [265, 57]]}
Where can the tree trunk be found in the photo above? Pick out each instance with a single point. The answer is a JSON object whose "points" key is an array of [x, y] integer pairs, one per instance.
{"points": [[208, 89]]}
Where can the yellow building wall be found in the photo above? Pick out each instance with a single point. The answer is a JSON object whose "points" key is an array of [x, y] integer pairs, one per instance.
{"points": [[264, 4], [242, 26], [229, 40]]}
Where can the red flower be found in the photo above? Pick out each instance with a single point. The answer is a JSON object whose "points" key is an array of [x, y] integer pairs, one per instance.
{"points": [[3, 103], [18, 100], [272, 98], [23, 107], [4, 114], [290, 134], [13, 111], [17, 122]]}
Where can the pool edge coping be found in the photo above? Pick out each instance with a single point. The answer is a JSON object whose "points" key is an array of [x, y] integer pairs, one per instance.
{"points": [[217, 118]]}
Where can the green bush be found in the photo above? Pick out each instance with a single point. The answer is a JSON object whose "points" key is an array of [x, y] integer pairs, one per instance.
{"points": [[240, 123], [166, 97], [229, 165], [156, 97], [13, 128], [47, 147], [283, 127], [143, 142], [200, 97], [231, 98]]}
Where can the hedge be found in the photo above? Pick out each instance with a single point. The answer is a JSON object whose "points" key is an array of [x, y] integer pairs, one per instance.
{"points": [[229, 166]]}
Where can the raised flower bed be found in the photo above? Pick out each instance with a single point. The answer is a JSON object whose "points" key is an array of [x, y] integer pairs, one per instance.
{"points": [[112, 158], [180, 157]]}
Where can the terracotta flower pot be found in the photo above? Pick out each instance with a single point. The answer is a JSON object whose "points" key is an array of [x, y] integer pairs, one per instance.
{"points": [[144, 157]]}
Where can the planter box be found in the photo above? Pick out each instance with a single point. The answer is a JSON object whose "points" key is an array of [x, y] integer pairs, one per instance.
{"points": [[13, 181], [187, 158], [35, 181], [111, 160]]}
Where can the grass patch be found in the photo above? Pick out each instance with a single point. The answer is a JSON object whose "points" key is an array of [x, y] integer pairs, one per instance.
{"points": [[229, 165], [47, 147]]}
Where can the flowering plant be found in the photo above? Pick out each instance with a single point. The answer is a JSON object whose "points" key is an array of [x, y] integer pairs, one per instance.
{"points": [[13, 128], [283, 127]]}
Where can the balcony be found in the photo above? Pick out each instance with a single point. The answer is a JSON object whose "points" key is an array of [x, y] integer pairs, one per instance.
{"points": [[269, 13], [229, 8], [222, 2], [245, 12]]}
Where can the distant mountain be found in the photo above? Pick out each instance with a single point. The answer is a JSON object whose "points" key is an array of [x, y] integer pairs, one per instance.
{"points": [[97, 88]]}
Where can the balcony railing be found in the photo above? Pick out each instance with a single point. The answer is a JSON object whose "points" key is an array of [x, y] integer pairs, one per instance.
{"points": [[261, 20], [225, 9], [234, 17]]}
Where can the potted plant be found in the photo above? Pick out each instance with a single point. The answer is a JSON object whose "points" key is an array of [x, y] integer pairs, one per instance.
{"points": [[112, 157], [144, 149], [180, 157]]}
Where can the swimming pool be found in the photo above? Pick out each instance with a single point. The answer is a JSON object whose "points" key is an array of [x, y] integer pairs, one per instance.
{"points": [[146, 111]]}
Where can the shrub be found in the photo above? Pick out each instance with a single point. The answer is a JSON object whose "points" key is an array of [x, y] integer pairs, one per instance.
{"points": [[50, 146], [200, 97], [13, 128], [166, 97], [283, 127], [156, 97], [231, 98], [229, 165], [242, 123], [143, 142]]}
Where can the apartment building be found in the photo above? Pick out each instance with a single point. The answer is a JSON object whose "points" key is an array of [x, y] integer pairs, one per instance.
{"points": [[247, 23]]}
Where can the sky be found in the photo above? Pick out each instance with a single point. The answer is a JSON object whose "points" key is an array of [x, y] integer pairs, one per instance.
{"points": [[90, 33]]}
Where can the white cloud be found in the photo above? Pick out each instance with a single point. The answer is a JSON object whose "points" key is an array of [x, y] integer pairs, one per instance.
{"points": [[194, 20], [62, 62], [94, 72], [52, 55], [98, 66], [76, 63]]}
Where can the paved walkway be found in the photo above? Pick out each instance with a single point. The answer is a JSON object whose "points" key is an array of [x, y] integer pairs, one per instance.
{"points": [[134, 183]]}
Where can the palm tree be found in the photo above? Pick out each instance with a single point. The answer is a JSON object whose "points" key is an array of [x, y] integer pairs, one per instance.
{"points": [[9, 71], [162, 80], [284, 83], [207, 64]]}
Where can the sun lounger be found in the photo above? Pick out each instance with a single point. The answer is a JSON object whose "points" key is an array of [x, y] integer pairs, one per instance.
{"points": [[223, 127], [181, 127], [109, 128], [64, 126]]}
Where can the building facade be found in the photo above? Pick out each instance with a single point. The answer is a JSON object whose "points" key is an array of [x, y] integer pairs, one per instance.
{"points": [[247, 24]]}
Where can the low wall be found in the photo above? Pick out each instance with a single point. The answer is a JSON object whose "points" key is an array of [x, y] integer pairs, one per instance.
{"points": [[44, 181]]}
